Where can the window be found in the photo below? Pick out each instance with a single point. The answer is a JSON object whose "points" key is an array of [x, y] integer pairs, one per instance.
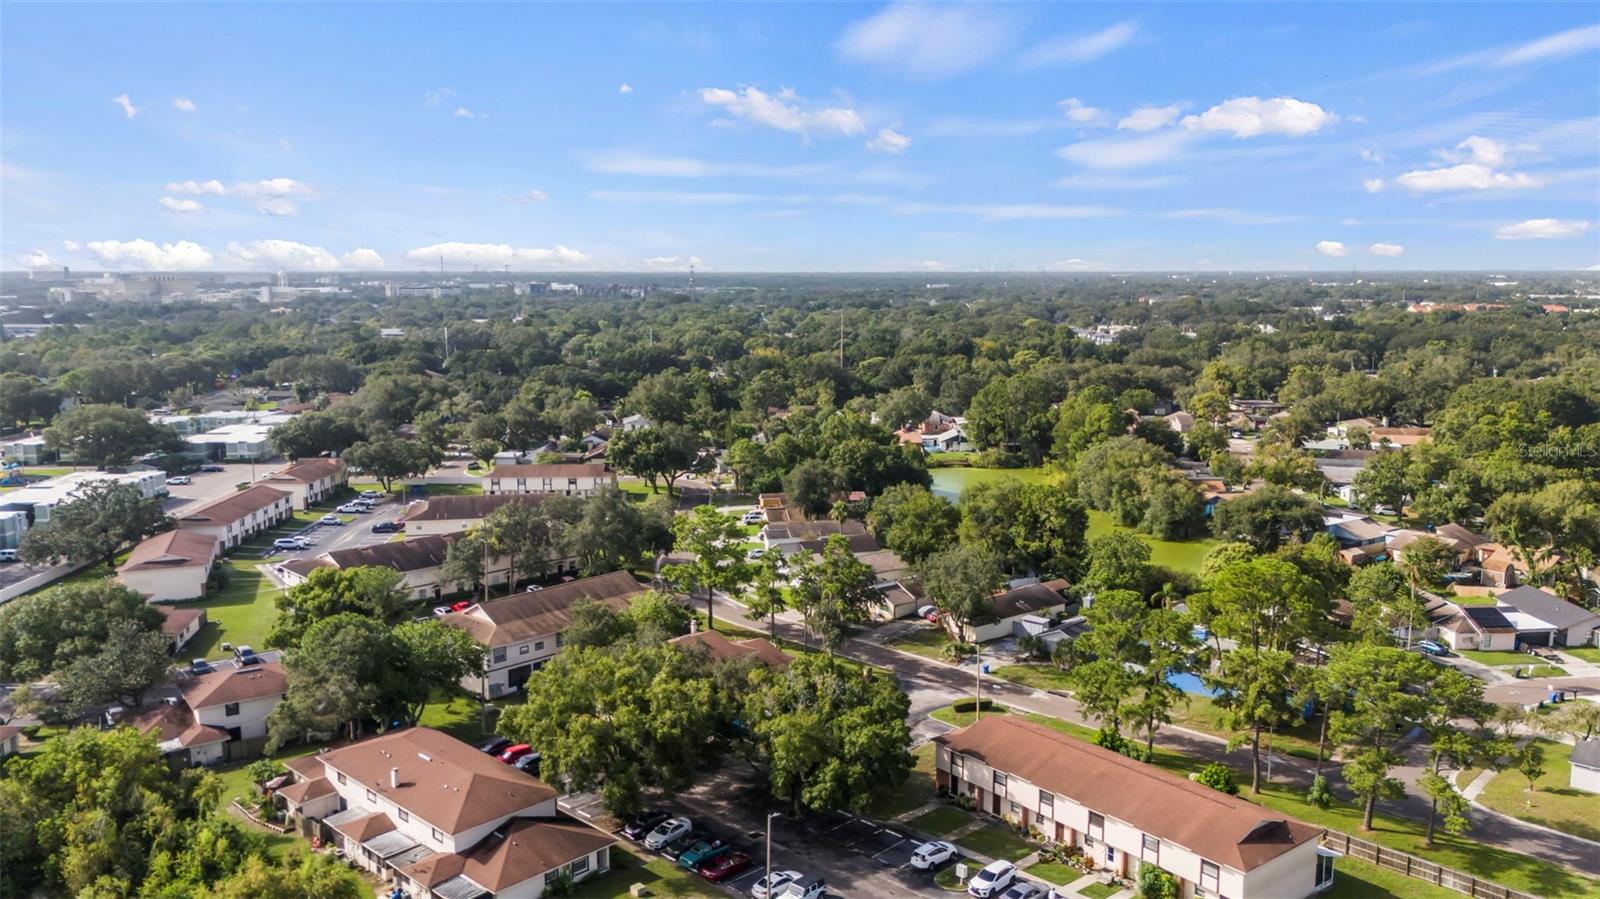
{"points": [[580, 866], [499, 654], [522, 650], [404, 815], [341, 777], [955, 764], [371, 796], [558, 641], [999, 784], [1047, 804], [1097, 825], [539, 646], [1324, 869], [1210, 874], [1151, 851], [231, 709], [1111, 855], [437, 836], [1016, 811]]}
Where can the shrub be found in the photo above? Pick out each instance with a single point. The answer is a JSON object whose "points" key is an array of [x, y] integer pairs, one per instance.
{"points": [[965, 706], [1218, 776], [560, 885], [1110, 739], [1319, 795], [1155, 883]]}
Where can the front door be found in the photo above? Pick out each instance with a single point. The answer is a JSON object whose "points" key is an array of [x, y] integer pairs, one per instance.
{"points": [[518, 676], [995, 803]]}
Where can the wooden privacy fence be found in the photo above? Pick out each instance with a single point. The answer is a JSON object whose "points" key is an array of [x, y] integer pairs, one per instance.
{"points": [[1420, 868]]}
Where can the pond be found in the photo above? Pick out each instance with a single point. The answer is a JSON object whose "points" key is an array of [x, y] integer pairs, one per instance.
{"points": [[949, 482]]}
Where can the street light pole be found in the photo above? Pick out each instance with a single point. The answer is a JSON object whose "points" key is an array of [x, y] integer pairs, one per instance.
{"points": [[770, 816], [977, 682]]}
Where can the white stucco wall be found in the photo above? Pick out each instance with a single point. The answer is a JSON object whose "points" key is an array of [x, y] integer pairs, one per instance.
{"points": [[251, 720], [167, 585]]}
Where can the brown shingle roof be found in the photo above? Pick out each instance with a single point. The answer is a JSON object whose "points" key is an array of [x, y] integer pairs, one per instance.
{"points": [[527, 615], [722, 649], [524, 848], [307, 470], [175, 621], [552, 470], [232, 508], [174, 549], [1221, 828], [234, 684], [1031, 598], [304, 790], [176, 721], [453, 508], [402, 555], [365, 828], [443, 781], [813, 530]]}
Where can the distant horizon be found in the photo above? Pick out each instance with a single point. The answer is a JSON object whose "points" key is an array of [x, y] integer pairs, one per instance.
{"points": [[920, 274]]}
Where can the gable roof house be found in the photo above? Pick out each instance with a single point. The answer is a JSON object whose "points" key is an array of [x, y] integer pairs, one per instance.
{"points": [[172, 566], [793, 533], [454, 514], [419, 559], [721, 649], [1020, 610], [431, 816], [1544, 619], [1479, 627], [219, 716], [309, 481], [240, 516], [523, 631], [181, 624], [1124, 814]]}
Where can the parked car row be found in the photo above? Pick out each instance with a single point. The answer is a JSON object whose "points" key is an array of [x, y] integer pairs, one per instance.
{"points": [[518, 755], [715, 859]]}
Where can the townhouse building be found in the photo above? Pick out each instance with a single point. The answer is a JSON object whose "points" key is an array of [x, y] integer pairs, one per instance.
{"points": [[309, 481], [219, 716], [1124, 814], [455, 514], [170, 567], [431, 816], [418, 559], [234, 519], [562, 478]]}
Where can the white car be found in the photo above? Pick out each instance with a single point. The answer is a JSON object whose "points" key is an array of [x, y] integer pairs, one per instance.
{"points": [[370, 494], [754, 516], [352, 508], [667, 831], [813, 888], [331, 520], [291, 543], [439, 611], [755, 554], [1024, 890], [931, 855], [180, 480], [770, 884], [992, 880]]}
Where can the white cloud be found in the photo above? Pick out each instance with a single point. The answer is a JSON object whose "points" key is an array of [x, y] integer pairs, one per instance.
{"points": [[71, 246], [197, 188], [143, 254], [1125, 153], [1484, 150], [1076, 111], [1466, 176], [690, 197], [624, 88], [437, 95], [1007, 212], [172, 204], [1386, 249], [1149, 118], [783, 111], [1544, 229], [673, 263], [497, 255], [1373, 185], [961, 126], [625, 163], [1253, 116], [532, 196], [276, 187], [926, 40], [1555, 46], [1081, 49], [933, 265], [1371, 155], [1089, 181], [1332, 248], [1077, 265], [184, 104], [464, 113], [277, 255], [361, 259], [36, 259], [277, 206], [126, 105], [889, 141], [1231, 216]]}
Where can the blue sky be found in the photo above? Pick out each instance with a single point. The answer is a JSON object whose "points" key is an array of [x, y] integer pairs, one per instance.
{"points": [[780, 137]]}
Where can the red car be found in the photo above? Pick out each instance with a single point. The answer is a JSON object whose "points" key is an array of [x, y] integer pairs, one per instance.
{"points": [[461, 605], [724, 866], [515, 752]]}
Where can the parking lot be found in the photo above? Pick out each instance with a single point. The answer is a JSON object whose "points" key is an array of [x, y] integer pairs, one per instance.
{"points": [[356, 531], [856, 856]]}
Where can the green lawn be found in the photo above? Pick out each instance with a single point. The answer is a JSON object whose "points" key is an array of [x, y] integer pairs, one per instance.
{"points": [[1100, 890], [917, 791], [1554, 804], [946, 878], [240, 613], [1356, 879], [453, 489], [1054, 872], [950, 716], [1587, 653], [1473, 600], [460, 716], [1495, 658], [996, 841], [1206, 716], [1040, 676], [660, 876], [942, 821], [924, 641]]}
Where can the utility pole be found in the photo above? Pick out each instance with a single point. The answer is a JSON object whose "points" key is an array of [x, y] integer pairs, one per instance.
{"points": [[770, 816], [841, 338], [977, 683]]}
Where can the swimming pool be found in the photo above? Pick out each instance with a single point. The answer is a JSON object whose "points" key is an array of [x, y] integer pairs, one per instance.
{"points": [[1191, 683]]}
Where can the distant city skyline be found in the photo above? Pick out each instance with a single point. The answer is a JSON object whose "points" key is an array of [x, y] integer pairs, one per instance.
{"points": [[794, 138]]}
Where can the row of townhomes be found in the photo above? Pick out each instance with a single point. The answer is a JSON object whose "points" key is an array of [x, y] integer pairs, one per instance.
{"points": [[1126, 814], [419, 559], [434, 818], [563, 478]]}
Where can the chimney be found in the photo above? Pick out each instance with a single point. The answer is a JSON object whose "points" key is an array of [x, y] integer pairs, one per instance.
{"points": [[394, 778], [694, 625]]}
